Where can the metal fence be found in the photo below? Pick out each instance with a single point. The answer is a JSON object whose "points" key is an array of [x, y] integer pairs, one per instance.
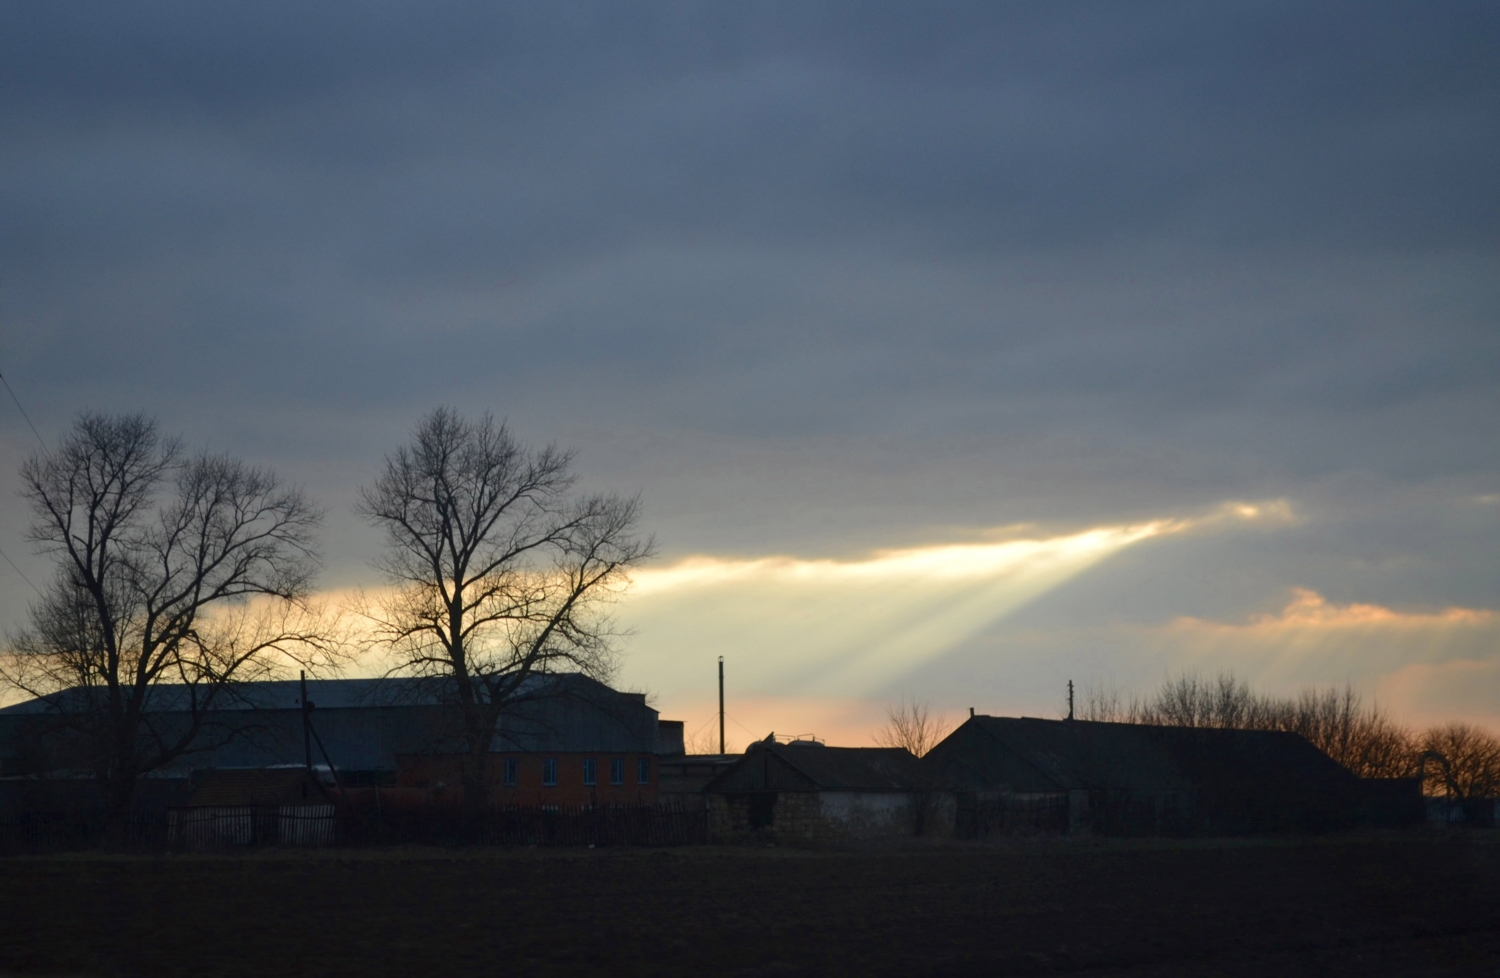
{"points": [[247, 825]]}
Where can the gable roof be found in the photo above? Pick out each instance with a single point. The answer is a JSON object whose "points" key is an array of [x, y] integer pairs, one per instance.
{"points": [[1032, 755], [768, 766], [1028, 755]]}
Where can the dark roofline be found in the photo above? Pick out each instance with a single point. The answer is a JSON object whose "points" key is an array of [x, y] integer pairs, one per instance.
{"points": [[1018, 755], [994, 720], [785, 753], [327, 694]]}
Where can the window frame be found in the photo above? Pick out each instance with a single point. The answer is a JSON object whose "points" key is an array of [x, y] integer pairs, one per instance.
{"points": [[549, 772], [617, 770], [590, 771], [643, 770], [510, 772]]}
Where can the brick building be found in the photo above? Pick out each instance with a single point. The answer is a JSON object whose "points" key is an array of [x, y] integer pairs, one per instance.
{"points": [[544, 777], [566, 739]]}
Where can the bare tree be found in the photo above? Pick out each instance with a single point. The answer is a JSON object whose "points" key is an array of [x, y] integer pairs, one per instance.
{"points": [[1382, 748], [189, 570], [1473, 757], [1103, 703], [705, 741], [1336, 721], [499, 573], [909, 723]]}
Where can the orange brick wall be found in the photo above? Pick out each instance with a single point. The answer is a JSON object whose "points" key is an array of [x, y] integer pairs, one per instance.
{"points": [[430, 771]]}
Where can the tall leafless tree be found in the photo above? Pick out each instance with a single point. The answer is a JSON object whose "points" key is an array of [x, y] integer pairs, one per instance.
{"points": [[910, 723], [172, 568], [499, 572]]}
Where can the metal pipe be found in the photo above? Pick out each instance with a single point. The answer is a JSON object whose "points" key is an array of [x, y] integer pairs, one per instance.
{"points": [[721, 706]]}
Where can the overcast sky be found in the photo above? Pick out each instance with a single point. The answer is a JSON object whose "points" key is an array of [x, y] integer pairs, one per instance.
{"points": [[1179, 321]]}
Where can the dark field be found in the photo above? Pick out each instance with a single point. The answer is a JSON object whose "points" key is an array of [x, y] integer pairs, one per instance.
{"points": [[1414, 905]]}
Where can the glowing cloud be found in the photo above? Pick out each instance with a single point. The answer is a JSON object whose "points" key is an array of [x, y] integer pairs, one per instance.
{"points": [[1309, 609], [1314, 640], [842, 628]]}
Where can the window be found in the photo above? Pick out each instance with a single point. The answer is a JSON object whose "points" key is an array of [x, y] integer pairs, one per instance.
{"points": [[643, 770], [512, 771], [590, 771], [617, 770], [549, 772]]}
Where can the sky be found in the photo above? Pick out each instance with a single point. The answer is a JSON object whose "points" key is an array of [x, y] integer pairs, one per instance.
{"points": [[955, 350]]}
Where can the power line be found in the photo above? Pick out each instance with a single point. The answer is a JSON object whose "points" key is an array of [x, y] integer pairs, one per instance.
{"points": [[38, 434], [13, 397], [39, 438], [704, 724], [43, 443], [743, 727], [18, 570]]}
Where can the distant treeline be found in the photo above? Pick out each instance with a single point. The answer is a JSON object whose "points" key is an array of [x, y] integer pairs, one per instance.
{"points": [[1359, 735]]}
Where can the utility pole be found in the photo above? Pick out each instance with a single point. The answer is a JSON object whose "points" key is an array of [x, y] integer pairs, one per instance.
{"points": [[306, 724], [1070, 699], [721, 706]]}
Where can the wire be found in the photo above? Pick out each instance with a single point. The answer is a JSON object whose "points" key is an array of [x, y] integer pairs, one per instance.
{"points": [[41, 441], [18, 570], [743, 727], [13, 397], [702, 726]]}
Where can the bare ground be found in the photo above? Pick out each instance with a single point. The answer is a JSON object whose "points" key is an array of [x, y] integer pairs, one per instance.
{"points": [[1383, 905]]}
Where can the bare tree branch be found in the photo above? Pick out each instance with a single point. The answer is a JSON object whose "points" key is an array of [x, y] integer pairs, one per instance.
{"points": [[1336, 721], [911, 724], [191, 570], [497, 572]]}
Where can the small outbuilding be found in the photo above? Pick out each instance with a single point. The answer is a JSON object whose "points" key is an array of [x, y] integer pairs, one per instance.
{"points": [[804, 791]]}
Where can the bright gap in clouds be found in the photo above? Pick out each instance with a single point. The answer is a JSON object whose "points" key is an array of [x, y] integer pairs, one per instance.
{"points": [[848, 629]]}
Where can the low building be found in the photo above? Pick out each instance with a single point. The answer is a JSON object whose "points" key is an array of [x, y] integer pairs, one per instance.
{"points": [[804, 791], [1118, 778], [588, 775], [684, 776], [565, 739]]}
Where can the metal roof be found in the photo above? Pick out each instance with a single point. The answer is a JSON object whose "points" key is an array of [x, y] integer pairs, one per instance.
{"points": [[326, 694], [365, 723]]}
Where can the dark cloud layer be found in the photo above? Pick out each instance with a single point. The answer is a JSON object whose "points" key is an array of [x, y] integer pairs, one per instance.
{"points": [[809, 276]]}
